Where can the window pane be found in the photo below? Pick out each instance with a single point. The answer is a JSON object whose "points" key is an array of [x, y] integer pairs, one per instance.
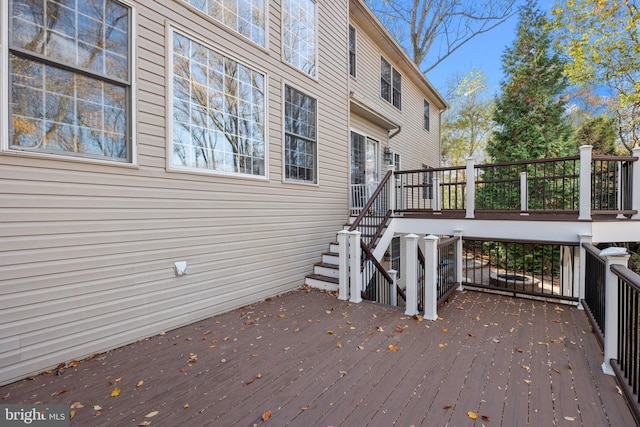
{"points": [[299, 34], [300, 136], [218, 114], [246, 17], [61, 111], [94, 35]]}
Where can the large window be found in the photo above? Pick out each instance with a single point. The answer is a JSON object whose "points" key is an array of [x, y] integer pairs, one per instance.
{"points": [[299, 34], [247, 17], [300, 136], [352, 50], [218, 111], [390, 84], [70, 78]]}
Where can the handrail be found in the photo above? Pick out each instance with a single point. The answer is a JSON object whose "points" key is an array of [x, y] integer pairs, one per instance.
{"points": [[371, 201]]}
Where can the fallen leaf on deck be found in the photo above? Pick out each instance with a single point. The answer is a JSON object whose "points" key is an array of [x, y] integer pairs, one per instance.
{"points": [[392, 347], [281, 315], [570, 366], [185, 406], [445, 330], [440, 318], [77, 405], [527, 382], [526, 368], [59, 392], [73, 364], [97, 408], [418, 318], [144, 423], [330, 332], [472, 335], [446, 407], [343, 373], [556, 370], [338, 345], [495, 340], [266, 415], [258, 376], [304, 408], [511, 330], [115, 392], [485, 418], [399, 329], [519, 350], [151, 414], [569, 418], [360, 347], [379, 329], [72, 414], [472, 415], [441, 345], [558, 309]]}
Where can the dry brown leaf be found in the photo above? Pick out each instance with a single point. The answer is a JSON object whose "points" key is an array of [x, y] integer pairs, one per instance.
{"points": [[511, 330], [485, 418], [519, 349], [72, 415], [526, 368], [266, 415], [330, 332], [185, 406], [97, 408], [446, 407], [558, 309], [139, 383], [151, 414], [472, 415], [399, 329], [441, 345], [445, 330], [304, 408], [418, 318], [77, 405], [115, 392], [360, 347], [569, 418], [144, 423], [527, 382], [338, 345], [258, 376], [59, 392], [392, 347], [379, 329], [569, 366], [343, 373], [472, 335], [73, 364]]}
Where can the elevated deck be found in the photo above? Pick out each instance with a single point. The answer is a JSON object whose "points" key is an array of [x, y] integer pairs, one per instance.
{"points": [[308, 359]]}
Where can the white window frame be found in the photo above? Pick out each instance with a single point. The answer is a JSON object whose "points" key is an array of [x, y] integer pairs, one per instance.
{"points": [[353, 53], [316, 178], [132, 157], [314, 72], [394, 100], [265, 28], [171, 29]]}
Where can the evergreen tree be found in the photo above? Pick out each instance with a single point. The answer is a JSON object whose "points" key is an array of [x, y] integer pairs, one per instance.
{"points": [[530, 110]]}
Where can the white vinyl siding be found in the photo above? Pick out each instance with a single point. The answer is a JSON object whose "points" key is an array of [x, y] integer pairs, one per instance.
{"points": [[88, 248]]}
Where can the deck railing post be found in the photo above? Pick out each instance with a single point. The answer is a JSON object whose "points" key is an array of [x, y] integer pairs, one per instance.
{"points": [[355, 261], [459, 245], [393, 292], [343, 265], [582, 279], [621, 257], [635, 182], [430, 250], [585, 182], [437, 198], [411, 273], [392, 189], [524, 193], [471, 188]]}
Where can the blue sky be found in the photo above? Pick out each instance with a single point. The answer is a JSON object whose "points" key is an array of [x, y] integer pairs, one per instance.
{"points": [[483, 52]]}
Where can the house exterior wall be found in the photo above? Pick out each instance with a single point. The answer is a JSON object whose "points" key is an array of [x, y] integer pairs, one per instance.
{"points": [[87, 248], [416, 145]]}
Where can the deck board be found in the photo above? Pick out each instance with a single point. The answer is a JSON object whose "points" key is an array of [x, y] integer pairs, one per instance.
{"points": [[312, 360]]}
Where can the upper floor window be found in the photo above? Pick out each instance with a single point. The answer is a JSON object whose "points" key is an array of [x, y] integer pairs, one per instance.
{"points": [[218, 111], [390, 84], [300, 150], [352, 50], [426, 115], [70, 78], [299, 34], [246, 17]]}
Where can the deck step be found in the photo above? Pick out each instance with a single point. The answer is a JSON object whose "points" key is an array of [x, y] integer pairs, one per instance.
{"points": [[321, 281], [331, 258], [326, 269]]}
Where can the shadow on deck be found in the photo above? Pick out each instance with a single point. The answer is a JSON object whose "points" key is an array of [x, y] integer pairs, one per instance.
{"points": [[311, 359]]}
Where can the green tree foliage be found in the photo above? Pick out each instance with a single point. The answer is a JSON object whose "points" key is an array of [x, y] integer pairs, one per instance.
{"points": [[600, 38], [530, 110], [600, 133], [467, 124]]}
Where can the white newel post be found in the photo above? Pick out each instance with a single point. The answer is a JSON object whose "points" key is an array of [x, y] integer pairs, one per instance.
{"points": [[471, 188], [635, 176], [355, 258], [437, 198], [411, 269], [459, 245], [585, 182], [524, 192], [343, 265], [584, 238], [430, 250], [393, 295], [621, 257], [392, 189]]}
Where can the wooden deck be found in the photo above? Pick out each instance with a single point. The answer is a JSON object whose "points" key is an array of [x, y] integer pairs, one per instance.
{"points": [[308, 359]]}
